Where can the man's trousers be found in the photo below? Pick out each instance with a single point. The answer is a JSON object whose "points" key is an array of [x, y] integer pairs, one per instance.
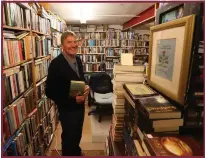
{"points": [[72, 124]]}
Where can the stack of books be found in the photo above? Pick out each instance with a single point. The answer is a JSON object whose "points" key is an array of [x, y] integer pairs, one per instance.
{"points": [[122, 75], [152, 125], [154, 112], [166, 144]]}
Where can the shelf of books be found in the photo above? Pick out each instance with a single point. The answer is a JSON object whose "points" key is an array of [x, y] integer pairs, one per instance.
{"points": [[29, 118], [104, 45]]}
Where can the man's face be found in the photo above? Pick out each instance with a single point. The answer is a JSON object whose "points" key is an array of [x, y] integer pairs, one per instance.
{"points": [[70, 45]]}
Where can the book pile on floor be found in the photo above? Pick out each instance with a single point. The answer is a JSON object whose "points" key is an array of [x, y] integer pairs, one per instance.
{"points": [[152, 125], [122, 74]]}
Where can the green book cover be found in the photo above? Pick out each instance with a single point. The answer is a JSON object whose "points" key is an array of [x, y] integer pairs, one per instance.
{"points": [[77, 88]]}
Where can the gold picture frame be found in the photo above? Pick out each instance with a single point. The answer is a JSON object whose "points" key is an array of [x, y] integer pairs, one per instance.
{"points": [[169, 57]]}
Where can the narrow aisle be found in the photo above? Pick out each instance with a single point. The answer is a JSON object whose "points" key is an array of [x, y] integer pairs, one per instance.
{"points": [[89, 148]]}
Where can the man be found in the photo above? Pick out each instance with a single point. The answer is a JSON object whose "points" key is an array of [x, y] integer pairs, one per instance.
{"points": [[64, 68]]}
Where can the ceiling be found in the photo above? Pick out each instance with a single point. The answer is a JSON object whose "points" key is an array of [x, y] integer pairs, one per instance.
{"points": [[98, 13]]}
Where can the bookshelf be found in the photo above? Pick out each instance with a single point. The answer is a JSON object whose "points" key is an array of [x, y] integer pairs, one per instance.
{"points": [[26, 57], [110, 43]]}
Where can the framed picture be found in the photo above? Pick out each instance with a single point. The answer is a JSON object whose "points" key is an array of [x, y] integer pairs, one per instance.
{"points": [[169, 59]]}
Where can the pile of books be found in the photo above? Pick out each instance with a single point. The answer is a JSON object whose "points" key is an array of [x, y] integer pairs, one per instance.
{"points": [[122, 75], [166, 144], [154, 131], [154, 112]]}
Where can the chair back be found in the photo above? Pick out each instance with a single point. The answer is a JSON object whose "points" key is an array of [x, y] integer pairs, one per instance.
{"points": [[100, 83]]}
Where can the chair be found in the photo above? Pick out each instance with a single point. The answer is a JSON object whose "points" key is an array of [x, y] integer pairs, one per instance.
{"points": [[101, 95]]}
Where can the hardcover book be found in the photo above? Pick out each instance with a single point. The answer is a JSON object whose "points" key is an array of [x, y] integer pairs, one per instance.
{"points": [[172, 145], [76, 88], [138, 90], [157, 107]]}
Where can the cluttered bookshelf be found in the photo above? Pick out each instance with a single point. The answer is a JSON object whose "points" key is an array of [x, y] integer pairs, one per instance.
{"points": [[103, 46], [29, 118], [153, 121]]}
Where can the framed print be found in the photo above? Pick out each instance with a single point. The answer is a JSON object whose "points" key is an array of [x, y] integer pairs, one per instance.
{"points": [[169, 59]]}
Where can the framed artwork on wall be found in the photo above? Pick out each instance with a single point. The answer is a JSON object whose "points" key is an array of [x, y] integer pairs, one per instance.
{"points": [[169, 59]]}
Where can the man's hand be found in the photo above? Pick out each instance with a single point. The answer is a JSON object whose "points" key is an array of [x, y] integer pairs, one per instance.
{"points": [[87, 90], [80, 99]]}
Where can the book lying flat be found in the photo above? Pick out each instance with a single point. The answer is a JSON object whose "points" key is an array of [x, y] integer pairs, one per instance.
{"points": [[138, 90], [77, 88], [172, 145], [157, 107]]}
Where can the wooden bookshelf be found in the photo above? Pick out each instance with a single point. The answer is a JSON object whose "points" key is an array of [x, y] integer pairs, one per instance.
{"points": [[6, 145], [39, 33], [15, 28], [17, 64], [32, 87], [41, 81]]}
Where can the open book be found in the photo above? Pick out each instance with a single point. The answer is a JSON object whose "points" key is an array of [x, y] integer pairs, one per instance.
{"points": [[76, 88]]}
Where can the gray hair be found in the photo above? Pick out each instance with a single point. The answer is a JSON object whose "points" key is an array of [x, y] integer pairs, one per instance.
{"points": [[66, 34]]}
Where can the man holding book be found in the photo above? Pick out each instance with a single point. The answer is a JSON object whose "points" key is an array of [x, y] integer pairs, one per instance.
{"points": [[65, 85]]}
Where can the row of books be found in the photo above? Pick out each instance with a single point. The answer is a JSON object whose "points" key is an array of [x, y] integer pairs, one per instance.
{"points": [[142, 43], [16, 16], [91, 35], [94, 67], [109, 43], [142, 37], [34, 135], [54, 52], [117, 34], [56, 39], [25, 142], [40, 91], [141, 51], [140, 60], [109, 65], [40, 24], [41, 45], [15, 50], [117, 51], [16, 82], [91, 50], [88, 28], [16, 113], [41, 69], [92, 58], [93, 42], [56, 24]]}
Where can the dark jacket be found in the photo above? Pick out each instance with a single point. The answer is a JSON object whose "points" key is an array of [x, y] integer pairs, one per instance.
{"points": [[58, 80]]}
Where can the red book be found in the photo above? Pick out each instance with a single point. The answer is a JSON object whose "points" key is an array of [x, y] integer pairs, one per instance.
{"points": [[16, 115], [6, 130], [20, 50]]}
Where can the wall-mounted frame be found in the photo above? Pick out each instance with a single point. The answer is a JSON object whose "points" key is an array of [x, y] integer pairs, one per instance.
{"points": [[169, 59], [172, 11]]}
